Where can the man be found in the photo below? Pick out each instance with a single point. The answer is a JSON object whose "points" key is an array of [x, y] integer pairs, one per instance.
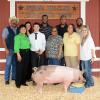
{"points": [[38, 43], [79, 24], [62, 28], [45, 27], [8, 35]]}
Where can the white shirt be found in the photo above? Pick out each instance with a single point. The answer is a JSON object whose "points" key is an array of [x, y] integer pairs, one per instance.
{"points": [[39, 43], [85, 49]]}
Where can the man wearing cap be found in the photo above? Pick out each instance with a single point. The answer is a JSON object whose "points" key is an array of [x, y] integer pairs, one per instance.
{"points": [[8, 35]]}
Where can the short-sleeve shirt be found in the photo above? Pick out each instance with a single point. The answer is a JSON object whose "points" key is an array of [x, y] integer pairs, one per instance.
{"points": [[70, 44], [52, 46]]}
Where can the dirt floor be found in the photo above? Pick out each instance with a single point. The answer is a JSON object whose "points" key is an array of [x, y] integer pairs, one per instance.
{"points": [[50, 92]]}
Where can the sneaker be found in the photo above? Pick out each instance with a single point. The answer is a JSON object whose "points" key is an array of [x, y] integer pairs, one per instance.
{"points": [[18, 86], [6, 82], [88, 86], [92, 84]]}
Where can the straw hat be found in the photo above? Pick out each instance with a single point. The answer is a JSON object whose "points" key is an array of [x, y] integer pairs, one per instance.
{"points": [[13, 18]]}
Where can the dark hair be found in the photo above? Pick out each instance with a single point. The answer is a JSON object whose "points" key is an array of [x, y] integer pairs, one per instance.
{"points": [[79, 18], [30, 24], [27, 22], [62, 16], [36, 23], [21, 26], [45, 16], [74, 30]]}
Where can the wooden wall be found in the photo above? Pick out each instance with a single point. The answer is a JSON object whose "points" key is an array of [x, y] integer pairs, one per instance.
{"points": [[92, 19]]}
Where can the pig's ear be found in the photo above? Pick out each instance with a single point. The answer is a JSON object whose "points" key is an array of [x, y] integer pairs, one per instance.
{"points": [[35, 69]]}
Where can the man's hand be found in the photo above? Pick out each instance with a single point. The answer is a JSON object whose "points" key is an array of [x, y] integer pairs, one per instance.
{"points": [[7, 52]]}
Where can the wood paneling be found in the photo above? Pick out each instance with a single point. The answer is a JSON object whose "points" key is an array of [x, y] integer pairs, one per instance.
{"points": [[4, 16], [92, 19]]}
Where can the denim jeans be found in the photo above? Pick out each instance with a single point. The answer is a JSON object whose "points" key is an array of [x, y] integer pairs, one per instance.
{"points": [[10, 66], [53, 61], [87, 66]]}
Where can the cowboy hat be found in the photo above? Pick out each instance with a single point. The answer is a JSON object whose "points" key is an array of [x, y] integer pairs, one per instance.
{"points": [[13, 18]]}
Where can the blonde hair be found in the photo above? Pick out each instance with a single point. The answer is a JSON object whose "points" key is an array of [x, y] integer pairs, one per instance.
{"points": [[86, 36]]}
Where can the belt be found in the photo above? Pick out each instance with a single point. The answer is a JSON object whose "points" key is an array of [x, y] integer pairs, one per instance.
{"points": [[24, 50]]}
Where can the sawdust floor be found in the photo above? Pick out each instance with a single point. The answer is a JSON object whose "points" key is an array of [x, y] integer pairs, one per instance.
{"points": [[50, 92]]}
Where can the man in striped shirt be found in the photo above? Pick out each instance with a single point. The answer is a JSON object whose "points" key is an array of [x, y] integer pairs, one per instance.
{"points": [[45, 27]]}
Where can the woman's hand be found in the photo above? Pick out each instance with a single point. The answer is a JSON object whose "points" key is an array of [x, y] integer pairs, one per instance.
{"points": [[19, 58], [92, 60]]}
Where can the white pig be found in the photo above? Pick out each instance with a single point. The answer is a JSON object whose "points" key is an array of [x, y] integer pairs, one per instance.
{"points": [[56, 74]]}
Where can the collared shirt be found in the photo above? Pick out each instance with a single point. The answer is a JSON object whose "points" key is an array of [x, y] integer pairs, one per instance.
{"points": [[70, 44], [86, 48], [39, 43], [21, 41], [52, 46], [5, 32]]}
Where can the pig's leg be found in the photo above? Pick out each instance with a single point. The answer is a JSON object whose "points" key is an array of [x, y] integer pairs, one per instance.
{"points": [[40, 87], [66, 85]]}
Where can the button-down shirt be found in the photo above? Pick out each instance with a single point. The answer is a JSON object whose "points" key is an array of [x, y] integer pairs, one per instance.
{"points": [[53, 46], [21, 41], [39, 43], [86, 48]]}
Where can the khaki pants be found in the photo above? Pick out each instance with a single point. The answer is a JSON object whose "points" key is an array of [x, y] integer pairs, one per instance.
{"points": [[72, 62]]}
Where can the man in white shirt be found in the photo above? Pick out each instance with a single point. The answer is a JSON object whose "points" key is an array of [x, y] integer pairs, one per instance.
{"points": [[38, 43]]}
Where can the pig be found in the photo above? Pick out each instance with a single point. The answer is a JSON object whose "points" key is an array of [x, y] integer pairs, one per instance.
{"points": [[51, 74]]}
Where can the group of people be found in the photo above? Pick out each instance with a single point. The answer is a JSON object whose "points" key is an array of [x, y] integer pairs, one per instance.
{"points": [[29, 46]]}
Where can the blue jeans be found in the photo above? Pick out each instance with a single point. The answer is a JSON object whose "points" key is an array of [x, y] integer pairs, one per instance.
{"points": [[87, 66], [53, 61], [10, 66]]}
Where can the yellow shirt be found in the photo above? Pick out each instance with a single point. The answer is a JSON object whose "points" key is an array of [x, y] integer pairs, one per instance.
{"points": [[70, 44]]}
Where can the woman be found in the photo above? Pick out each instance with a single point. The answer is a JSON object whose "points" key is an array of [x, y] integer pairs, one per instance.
{"points": [[54, 48], [71, 42], [29, 31], [87, 55], [28, 27], [21, 48]]}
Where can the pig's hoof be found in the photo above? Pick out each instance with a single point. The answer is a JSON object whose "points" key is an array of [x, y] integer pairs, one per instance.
{"points": [[34, 83]]}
